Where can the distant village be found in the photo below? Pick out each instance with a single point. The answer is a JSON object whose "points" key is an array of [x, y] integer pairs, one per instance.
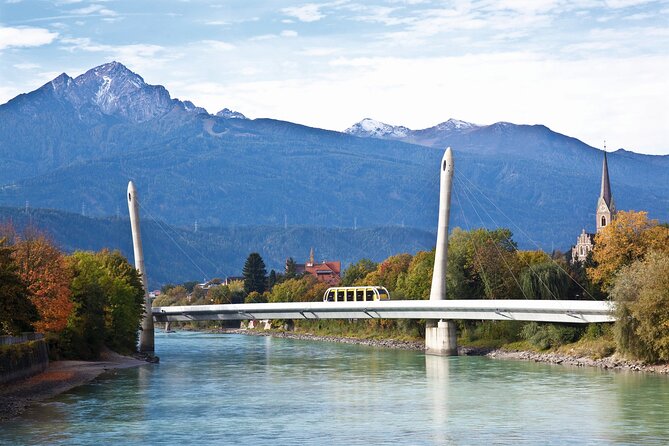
{"points": [[326, 271]]}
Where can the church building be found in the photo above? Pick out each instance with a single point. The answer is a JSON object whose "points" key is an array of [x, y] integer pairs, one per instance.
{"points": [[606, 212]]}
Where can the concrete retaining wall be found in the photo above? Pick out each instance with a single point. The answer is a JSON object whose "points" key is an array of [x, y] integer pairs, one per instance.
{"points": [[22, 356]]}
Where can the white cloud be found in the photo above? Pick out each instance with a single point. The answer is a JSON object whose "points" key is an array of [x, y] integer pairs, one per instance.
{"points": [[640, 16], [218, 45], [319, 51], [617, 4], [138, 57], [308, 13], [589, 99], [22, 37], [94, 9], [288, 33], [217, 22], [26, 66], [262, 37]]}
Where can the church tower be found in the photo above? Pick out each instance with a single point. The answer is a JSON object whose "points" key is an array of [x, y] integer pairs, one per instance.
{"points": [[606, 211], [606, 208]]}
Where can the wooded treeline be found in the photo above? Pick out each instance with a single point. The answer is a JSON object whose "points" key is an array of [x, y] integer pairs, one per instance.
{"points": [[83, 302]]}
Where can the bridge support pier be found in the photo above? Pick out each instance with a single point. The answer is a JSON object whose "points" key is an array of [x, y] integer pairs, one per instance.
{"points": [[441, 338]]}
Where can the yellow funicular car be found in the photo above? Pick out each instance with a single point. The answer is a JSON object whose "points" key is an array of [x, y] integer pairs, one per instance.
{"points": [[355, 294]]}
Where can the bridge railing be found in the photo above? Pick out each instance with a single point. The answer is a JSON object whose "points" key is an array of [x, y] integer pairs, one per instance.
{"points": [[564, 311]]}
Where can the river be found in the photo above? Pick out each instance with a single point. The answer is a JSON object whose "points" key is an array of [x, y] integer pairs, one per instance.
{"points": [[235, 389]]}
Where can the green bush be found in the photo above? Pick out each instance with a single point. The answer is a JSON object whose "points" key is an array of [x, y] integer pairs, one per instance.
{"points": [[641, 292], [545, 336]]}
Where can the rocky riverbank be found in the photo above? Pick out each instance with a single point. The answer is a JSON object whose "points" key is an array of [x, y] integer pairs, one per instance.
{"points": [[59, 377], [608, 363]]}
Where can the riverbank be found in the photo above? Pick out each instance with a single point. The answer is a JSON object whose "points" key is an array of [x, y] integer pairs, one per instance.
{"points": [[59, 377], [608, 363]]}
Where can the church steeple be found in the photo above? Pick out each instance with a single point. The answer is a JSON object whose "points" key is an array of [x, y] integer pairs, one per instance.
{"points": [[606, 185], [606, 208]]}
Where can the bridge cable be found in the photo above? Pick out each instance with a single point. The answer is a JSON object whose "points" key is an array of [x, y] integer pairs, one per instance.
{"points": [[528, 237], [477, 255], [491, 239], [495, 223], [144, 209]]}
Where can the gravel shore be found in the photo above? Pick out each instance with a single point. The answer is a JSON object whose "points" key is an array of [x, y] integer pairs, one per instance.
{"points": [[59, 377], [608, 363]]}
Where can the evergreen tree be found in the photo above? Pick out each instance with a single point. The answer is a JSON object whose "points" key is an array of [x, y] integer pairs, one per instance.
{"points": [[271, 281], [255, 274], [17, 312], [291, 268]]}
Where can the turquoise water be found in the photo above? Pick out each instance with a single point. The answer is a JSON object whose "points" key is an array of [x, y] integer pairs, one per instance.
{"points": [[233, 389]]}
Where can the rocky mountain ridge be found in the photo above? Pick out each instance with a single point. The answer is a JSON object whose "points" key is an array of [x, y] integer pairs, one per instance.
{"points": [[73, 144]]}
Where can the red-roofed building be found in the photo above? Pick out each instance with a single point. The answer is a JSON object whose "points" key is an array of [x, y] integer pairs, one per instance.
{"points": [[326, 271]]}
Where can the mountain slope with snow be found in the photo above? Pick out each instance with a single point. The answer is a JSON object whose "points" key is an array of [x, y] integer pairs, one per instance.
{"points": [[75, 143]]}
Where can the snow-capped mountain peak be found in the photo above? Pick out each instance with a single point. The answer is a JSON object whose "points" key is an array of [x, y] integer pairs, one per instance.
{"points": [[455, 124], [376, 129], [230, 114]]}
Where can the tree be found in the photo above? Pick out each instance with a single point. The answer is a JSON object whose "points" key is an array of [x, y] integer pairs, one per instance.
{"points": [[357, 271], [83, 337], [124, 303], [387, 272], [482, 262], [44, 268], [17, 312], [190, 286], [220, 295], [255, 274], [108, 301], [291, 268], [271, 280], [627, 239], [417, 281], [545, 280], [304, 289], [255, 297], [641, 293], [176, 295]]}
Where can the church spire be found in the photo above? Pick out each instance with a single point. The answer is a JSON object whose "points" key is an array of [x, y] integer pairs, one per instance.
{"points": [[606, 185], [606, 209]]}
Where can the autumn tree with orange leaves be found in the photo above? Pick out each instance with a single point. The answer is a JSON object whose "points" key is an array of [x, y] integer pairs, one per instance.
{"points": [[44, 268], [629, 237]]}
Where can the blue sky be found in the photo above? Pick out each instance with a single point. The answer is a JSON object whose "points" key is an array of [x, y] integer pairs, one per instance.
{"points": [[593, 69]]}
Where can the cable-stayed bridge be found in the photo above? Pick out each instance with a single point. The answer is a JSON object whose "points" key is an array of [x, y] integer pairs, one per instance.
{"points": [[440, 332]]}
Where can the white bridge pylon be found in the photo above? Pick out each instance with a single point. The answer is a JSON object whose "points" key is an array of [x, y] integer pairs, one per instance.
{"points": [[564, 311]]}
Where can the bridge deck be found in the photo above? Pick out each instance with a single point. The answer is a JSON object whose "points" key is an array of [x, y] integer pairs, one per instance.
{"points": [[566, 311]]}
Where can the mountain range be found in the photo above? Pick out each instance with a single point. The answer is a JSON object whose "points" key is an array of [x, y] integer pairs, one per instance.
{"points": [[74, 143]]}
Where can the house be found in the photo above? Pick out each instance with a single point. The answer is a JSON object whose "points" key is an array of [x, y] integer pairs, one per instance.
{"points": [[325, 271]]}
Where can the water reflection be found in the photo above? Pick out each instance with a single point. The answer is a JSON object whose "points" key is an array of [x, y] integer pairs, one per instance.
{"points": [[225, 389], [436, 372]]}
